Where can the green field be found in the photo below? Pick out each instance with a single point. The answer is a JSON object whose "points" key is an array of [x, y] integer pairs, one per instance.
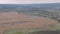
{"points": [[17, 31]]}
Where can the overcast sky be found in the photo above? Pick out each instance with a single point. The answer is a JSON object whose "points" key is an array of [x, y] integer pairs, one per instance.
{"points": [[27, 1]]}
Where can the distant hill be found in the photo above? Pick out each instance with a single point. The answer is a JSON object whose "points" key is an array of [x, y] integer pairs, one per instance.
{"points": [[30, 5]]}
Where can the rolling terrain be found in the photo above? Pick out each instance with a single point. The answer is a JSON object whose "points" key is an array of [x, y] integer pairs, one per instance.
{"points": [[29, 16], [13, 20]]}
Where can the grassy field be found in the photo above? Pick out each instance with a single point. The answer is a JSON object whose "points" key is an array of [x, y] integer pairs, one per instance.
{"points": [[17, 31], [13, 20]]}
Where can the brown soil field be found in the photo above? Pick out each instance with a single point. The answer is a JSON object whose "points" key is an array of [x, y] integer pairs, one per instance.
{"points": [[13, 20]]}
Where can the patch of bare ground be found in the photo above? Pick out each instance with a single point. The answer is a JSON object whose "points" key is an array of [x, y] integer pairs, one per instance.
{"points": [[9, 20]]}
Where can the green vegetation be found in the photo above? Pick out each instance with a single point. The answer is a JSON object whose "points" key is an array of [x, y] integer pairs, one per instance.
{"points": [[13, 32], [54, 27], [17, 31]]}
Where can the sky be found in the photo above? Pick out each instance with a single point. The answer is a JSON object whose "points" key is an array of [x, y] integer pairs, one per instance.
{"points": [[27, 1]]}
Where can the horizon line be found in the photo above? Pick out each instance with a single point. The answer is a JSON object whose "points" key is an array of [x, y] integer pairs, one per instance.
{"points": [[27, 3]]}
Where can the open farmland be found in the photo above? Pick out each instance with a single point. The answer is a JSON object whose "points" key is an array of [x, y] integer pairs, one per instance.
{"points": [[13, 20], [29, 18]]}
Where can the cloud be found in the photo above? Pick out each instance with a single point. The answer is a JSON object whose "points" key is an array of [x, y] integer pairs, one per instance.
{"points": [[27, 1]]}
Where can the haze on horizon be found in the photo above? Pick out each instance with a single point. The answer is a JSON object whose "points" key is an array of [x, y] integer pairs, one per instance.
{"points": [[27, 1]]}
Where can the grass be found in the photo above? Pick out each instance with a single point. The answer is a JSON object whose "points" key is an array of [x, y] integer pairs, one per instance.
{"points": [[55, 27], [17, 31], [13, 32]]}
